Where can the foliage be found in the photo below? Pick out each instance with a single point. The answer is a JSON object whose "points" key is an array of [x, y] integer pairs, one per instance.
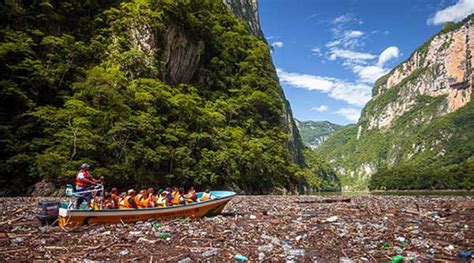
{"points": [[312, 130], [79, 88]]}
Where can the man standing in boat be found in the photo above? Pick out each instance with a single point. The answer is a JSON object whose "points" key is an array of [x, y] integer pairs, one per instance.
{"points": [[84, 182]]}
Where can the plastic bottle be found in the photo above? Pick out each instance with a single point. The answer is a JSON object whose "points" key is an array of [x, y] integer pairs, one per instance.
{"points": [[398, 259], [164, 235], [241, 258]]}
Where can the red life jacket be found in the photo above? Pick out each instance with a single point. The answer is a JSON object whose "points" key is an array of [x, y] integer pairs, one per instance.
{"points": [[81, 182]]}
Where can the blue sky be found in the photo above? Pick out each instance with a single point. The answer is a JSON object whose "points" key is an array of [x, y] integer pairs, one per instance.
{"points": [[329, 53]]}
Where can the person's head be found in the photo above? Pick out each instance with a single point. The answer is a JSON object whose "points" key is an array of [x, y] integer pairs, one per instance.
{"points": [[164, 194], [114, 190], [85, 166], [192, 188], [207, 190], [181, 190], [131, 192], [143, 191], [123, 194], [107, 195], [150, 190], [168, 189]]}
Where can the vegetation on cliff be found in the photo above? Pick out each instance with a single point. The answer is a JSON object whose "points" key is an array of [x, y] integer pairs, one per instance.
{"points": [[406, 139], [87, 82]]}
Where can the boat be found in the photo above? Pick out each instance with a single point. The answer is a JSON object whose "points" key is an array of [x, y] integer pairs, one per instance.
{"points": [[69, 217]]}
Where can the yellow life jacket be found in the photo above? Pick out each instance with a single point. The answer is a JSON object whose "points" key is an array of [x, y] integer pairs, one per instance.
{"points": [[161, 201], [205, 196]]}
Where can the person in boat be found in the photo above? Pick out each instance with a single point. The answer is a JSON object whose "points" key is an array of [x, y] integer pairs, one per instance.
{"points": [[161, 199], [192, 194], [84, 182], [109, 202], [169, 197], [175, 196], [150, 199], [139, 198], [206, 196], [121, 203], [181, 199], [130, 199], [95, 203], [115, 196]]}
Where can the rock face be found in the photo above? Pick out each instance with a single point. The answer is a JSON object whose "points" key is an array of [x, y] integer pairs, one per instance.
{"points": [[182, 56], [442, 67], [314, 133], [247, 10], [419, 113]]}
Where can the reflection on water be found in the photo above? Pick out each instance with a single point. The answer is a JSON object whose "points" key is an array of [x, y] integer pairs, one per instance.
{"points": [[398, 193]]}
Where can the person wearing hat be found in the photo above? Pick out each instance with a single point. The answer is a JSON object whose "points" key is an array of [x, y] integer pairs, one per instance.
{"points": [[129, 199], [84, 181]]}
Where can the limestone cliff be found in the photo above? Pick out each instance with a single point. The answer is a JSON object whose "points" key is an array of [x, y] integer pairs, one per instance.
{"points": [[441, 67], [247, 10], [419, 116]]}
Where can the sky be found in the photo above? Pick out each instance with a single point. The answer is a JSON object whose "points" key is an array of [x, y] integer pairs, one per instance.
{"points": [[329, 53]]}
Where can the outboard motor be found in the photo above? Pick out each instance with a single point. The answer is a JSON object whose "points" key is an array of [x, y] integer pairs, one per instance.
{"points": [[48, 212]]}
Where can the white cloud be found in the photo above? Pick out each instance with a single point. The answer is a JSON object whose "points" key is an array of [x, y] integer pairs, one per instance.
{"points": [[320, 108], [349, 55], [369, 74], [353, 33], [387, 55], [351, 114], [346, 19], [316, 51], [454, 13], [353, 93], [277, 44]]}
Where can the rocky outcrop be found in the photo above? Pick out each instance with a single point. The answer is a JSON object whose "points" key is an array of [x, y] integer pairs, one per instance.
{"points": [[181, 56], [441, 67], [247, 10]]}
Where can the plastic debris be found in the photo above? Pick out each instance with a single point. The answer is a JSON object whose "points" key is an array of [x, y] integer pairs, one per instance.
{"points": [[185, 260], [332, 219], [397, 259], [210, 252], [241, 258], [253, 217], [285, 228], [164, 235], [466, 254]]}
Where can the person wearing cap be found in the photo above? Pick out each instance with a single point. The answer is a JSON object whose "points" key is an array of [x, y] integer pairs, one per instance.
{"points": [[84, 181], [129, 199]]}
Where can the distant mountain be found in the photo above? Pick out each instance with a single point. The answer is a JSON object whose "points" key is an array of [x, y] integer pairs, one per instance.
{"points": [[417, 131], [314, 133]]}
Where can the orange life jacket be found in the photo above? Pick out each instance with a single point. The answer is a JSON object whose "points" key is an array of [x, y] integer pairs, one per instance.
{"points": [[139, 200], [176, 197], [115, 197], [81, 181], [205, 196], [127, 203]]}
